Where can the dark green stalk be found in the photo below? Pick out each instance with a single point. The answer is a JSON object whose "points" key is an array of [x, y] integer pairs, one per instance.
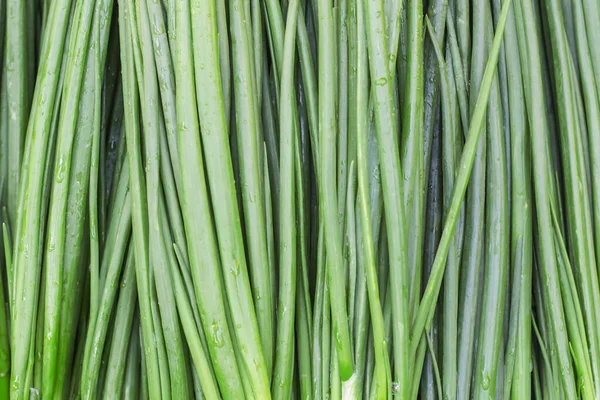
{"points": [[433, 221], [451, 277], [269, 222], [303, 329], [437, 12], [304, 315], [350, 245]]}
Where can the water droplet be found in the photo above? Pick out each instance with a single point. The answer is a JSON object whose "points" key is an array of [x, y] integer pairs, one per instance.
{"points": [[217, 335], [485, 382], [60, 173], [381, 81], [235, 270]]}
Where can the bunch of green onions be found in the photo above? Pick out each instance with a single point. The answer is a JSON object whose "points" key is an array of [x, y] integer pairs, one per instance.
{"points": [[300, 199]]}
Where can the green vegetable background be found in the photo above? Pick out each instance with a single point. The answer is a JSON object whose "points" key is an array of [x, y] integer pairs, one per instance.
{"points": [[300, 199]]}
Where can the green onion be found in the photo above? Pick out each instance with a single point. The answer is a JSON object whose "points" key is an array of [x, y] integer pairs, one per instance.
{"points": [[300, 199]]}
